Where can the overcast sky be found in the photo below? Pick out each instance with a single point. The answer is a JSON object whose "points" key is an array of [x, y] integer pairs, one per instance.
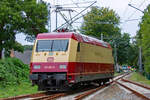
{"points": [[121, 7]]}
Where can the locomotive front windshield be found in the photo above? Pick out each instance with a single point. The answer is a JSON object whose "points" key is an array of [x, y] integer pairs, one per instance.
{"points": [[52, 45]]}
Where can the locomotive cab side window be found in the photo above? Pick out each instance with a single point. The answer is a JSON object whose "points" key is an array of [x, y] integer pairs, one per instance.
{"points": [[52, 45], [78, 47]]}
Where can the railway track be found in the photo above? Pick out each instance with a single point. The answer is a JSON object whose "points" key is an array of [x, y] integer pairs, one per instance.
{"points": [[138, 84], [117, 80], [133, 89], [25, 96], [37, 96], [81, 95], [49, 97]]}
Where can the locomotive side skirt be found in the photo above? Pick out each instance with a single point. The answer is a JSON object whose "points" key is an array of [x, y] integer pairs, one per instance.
{"points": [[78, 72]]}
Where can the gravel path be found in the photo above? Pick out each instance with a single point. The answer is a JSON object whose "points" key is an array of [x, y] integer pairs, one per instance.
{"points": [[114, 92]]}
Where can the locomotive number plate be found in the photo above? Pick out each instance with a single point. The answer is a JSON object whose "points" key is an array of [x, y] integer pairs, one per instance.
{"points": [[49, 67]]}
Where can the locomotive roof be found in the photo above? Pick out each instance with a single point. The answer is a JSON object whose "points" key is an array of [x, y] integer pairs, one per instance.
{"points": [[75, 36]]}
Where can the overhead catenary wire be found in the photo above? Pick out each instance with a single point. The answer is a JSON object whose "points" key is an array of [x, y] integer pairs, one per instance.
{"points": [[63, 7], [76, 15]]}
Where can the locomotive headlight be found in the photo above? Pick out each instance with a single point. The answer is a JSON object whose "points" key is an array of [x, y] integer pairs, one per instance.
{"points": [[36, 67], [62, 66]]}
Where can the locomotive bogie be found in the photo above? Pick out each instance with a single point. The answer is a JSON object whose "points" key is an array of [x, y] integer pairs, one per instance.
{"points": [[50, 81]]}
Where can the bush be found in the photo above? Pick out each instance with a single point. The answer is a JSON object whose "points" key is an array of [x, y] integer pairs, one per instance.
{"points": [[148, 76], [13, 71]]}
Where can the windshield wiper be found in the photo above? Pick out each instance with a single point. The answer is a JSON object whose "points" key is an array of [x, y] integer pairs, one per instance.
{"points": [[52, 45]]}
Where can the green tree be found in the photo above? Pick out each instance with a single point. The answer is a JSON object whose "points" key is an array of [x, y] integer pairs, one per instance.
{"points": [[144, 38], [101, 21], [20, 16], [123, 43], [123, 47], [133, 55]]}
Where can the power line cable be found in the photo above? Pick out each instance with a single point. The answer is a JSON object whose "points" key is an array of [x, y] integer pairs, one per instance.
{"points": [[129, 18], [78, 3], [125, 11], [105, 22], [136, 10]]}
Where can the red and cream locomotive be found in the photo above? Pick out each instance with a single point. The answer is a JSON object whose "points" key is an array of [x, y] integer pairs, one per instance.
{"points": [[62, 60]]}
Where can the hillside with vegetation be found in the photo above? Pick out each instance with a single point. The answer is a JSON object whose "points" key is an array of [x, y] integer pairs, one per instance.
{"points": [[14, 78]]}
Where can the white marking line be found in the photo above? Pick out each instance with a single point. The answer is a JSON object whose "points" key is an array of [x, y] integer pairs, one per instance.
{"points": [[26, 99], [95, 93], [69, 97], [126, 90]]}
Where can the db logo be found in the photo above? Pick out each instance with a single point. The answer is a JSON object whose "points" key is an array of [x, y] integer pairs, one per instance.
{"points": [[49, 67], [50, 59]]}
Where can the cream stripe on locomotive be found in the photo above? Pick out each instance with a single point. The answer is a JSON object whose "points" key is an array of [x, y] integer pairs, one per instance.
{"points": [[94, 54], [88, 53]]}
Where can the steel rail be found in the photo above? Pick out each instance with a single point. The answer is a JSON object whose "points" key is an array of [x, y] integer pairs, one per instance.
{"points": [[81, 96], [24, 96], [37, 96], [138, 84], [49, 97], [55, 96]]}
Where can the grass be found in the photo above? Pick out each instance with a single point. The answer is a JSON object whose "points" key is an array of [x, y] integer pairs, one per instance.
{"points": [[23, 88], [139, 78]]}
